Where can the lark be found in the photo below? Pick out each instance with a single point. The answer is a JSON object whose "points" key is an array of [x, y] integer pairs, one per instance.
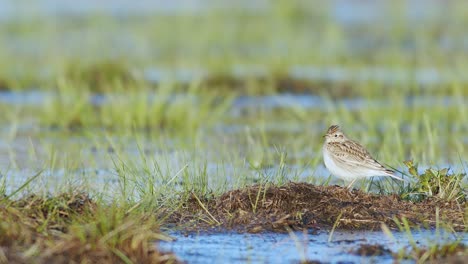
{"points": [[350, 161]]}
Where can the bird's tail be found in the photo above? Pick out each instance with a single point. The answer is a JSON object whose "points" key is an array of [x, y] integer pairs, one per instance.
{"points": [[392, 174]]}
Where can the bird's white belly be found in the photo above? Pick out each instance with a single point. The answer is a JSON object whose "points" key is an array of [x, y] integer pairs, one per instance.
{"points": [[337, 170]]}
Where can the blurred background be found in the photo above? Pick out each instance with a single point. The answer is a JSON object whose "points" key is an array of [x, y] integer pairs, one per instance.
{"points": [[238, 89]]}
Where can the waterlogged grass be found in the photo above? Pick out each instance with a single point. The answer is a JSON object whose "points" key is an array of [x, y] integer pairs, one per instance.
{"points": [[125, 227], [73, 106], [398, 118], [122, 220], [393, 129], [273, 37], [451, 251], [105, 76], [147, 115], [444, 245]]}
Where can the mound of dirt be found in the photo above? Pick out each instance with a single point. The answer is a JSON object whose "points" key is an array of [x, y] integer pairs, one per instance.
{"points": [[300, 205]]}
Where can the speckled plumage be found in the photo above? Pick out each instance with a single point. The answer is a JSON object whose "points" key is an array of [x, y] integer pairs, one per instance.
{"points": [[349, 160]]}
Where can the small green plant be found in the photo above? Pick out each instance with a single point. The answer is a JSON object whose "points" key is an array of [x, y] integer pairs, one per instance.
{"points": [[435, 183]]}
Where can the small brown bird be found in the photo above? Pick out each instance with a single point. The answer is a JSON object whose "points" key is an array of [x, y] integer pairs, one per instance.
{"points": [[348, 160]]}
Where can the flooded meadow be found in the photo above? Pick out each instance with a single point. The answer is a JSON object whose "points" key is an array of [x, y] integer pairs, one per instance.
{"points": [[192, 131]]}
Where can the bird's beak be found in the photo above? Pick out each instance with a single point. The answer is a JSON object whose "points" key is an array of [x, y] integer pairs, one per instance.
{"points": [[324, 136]]}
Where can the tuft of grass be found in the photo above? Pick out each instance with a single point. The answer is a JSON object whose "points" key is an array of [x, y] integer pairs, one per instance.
{"points": [[103, 76], [180, 113], [73, 228], [435, 250]]}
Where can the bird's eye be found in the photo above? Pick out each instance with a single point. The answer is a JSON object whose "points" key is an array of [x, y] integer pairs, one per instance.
{"points": [[336, 135]]}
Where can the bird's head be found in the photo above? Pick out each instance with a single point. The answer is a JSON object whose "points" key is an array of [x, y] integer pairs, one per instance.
{"points": [[334, 134]]}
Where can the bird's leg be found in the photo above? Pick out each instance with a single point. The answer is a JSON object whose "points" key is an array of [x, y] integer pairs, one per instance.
{"points": [[351, 184]]}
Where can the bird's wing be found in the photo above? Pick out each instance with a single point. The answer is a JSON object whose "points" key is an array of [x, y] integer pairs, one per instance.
{"points": [[351, 152]]}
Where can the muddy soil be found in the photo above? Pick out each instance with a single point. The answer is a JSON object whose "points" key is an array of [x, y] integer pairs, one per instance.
{"points": [[300, 205]]}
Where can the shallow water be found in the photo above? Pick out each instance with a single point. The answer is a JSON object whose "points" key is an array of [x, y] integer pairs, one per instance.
{"points": [[36, 98], [231, 247], [422, 76]]}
